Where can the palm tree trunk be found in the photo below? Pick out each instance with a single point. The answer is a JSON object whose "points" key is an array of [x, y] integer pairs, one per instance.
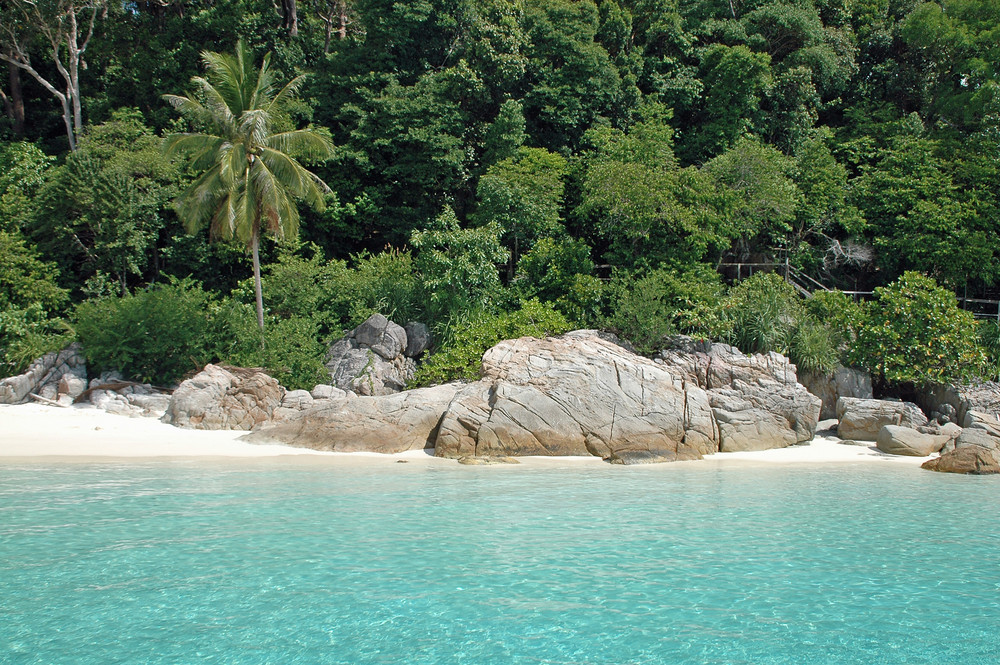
{"points": [[255, 249]]}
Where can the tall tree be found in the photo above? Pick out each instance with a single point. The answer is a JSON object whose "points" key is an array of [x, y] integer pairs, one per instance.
{"points": [[65, 26], [249, 175]]}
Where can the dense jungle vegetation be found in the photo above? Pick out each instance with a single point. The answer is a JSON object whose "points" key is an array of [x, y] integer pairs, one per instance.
{"points": [[496, 168]]}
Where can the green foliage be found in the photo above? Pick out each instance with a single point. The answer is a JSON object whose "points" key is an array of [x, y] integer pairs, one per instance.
{"points": [[641, 204], [101, 212], [840, 314], [23, 170], [921, 220], [559, 271], [667, 301], [25, 279], [989, 339], [767, 315], [27, 333], [916, 333], [29, 299], [523, 194], [759, 196], [457, 358], [291, 350], [457, 266], [157, 335]]}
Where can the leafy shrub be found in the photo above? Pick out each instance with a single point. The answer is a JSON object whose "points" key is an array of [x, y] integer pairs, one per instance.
{"points": [[767, 315], [28, 333], [156, 335], [916, 333], [559, 270], [840, 314], [666, 302], [459, 355], [989, 339], [384, 283], [29, 296], [291, 350], [458, 266]]}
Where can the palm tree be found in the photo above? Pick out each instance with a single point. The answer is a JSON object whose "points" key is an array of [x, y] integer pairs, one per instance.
{"points": [[249, 176]]}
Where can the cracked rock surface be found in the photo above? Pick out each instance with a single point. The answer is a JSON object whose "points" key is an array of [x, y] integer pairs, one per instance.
{"points": [[577, 394]]}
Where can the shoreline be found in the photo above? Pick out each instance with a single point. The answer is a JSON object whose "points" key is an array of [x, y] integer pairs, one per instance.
{"points": [[35, 432]]}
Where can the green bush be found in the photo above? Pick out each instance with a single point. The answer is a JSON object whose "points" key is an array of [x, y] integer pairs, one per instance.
{"points": [[559, 270], [156, 335], [458, 266], [989, 339], [291, 350], [28, 333], [840, 314], [458, 356], [915, 333], [768, 315], [665, 302]]}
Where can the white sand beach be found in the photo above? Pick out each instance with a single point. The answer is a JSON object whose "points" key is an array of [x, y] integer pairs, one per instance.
{"points": [[38, 431]]}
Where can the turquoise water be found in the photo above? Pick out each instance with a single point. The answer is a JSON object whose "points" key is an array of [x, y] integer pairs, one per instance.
{"points": [[274, 562]]}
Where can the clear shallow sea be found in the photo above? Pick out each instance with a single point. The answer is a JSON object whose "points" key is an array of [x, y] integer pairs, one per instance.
{"points": [[273, 562]]}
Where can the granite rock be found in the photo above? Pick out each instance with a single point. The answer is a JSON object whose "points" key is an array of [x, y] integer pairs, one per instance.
{"points": [[897, 440], [224, 398], [863, 419], [970, 459]]}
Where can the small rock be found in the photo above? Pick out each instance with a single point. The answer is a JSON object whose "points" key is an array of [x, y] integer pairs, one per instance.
{"points": [[486, 461]]}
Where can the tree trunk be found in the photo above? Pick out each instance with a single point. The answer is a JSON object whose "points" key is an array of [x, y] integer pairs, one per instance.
{"points": [[342, 16], [16, 99], [290, 12], [257, 291]]}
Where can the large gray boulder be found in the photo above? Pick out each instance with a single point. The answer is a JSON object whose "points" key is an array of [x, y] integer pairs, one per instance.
{"points": [[972, 436], [897, 440], [843, 382], [863, 419], [418, 339], [385, 424], [983, 398], [985, 421], [224, 398], [575, 395], [59, 375], [382, 336], [370, 360]]}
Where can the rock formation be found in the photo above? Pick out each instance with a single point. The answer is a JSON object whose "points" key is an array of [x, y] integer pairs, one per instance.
{"points": [[387, 424], [377, 357], [577, 394], [897, 440], [224, 398], [863, 419], [843, 382], [970, 459], [57, 376]]}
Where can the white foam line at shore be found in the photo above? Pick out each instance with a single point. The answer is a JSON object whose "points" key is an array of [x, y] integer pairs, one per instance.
{"points": [[34, 431]]}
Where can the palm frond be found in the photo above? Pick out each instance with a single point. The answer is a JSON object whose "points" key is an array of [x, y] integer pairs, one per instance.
{"points": [[192, 144], [255, 125], [301, 143], [218, 113], [291, 88], [229, 77], [295, 177], [277, 204]]}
